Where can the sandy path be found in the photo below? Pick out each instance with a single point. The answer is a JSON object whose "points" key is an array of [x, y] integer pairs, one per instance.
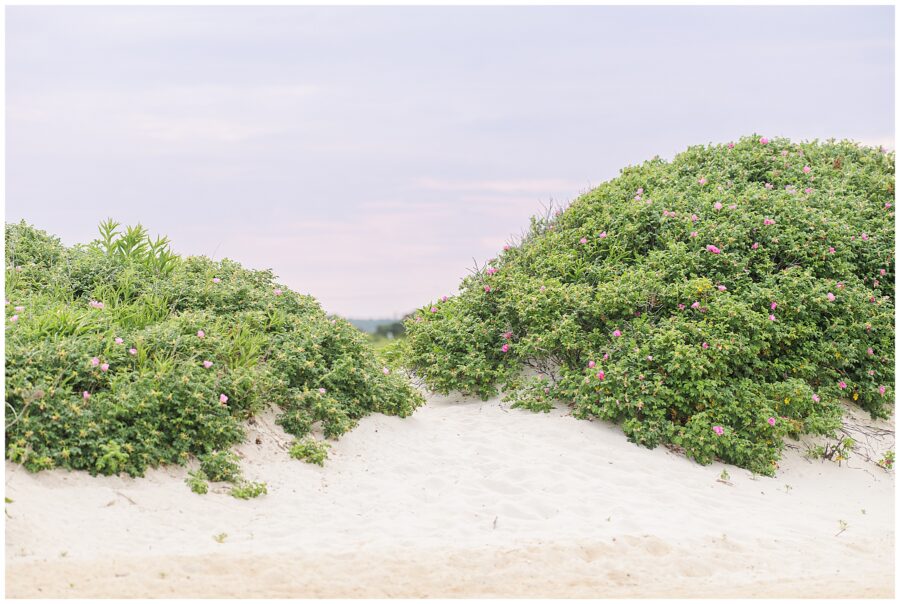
{"points": [[463, 499]]}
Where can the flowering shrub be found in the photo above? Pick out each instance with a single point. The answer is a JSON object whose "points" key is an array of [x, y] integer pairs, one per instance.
{"points": [[123, 356], [716, 303]]}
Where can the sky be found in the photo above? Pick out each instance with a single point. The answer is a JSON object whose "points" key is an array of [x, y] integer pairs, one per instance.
{"points": [[371, 156]]}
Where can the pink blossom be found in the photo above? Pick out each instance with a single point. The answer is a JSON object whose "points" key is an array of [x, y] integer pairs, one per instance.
{"points": [[591, 364], [385, 371], [681, 307], [704, 345], [694, 218], [830, 250], [808, 190], [321, 391], [277, 292], [583, 240], [119, 340], [717, 205], [887, 204], [842, 385], [132, 351], [491, 270], [602, 235], [722, 288], [543, 288], [505, 348], [207, 364], [216, 280], [487, 288], [443, 298], [807, 169], [507, 335], [882, 272], [830, 297], [815, 398], [104, 367], [601, 375], [773, 305], [694, 234], [731, 145], [839, 285], [719, 430], [223, 399], [86, 395], [201, 334], [770, 186], [754, 246], [763, 141], [95, 361], [505, 248], [713, 249], [434, 309], [771, 421], [19, 309], [702, 180], [14, 318], [870, 352], [882, 390], [874, 282], [768, 221], [606, 356], [771, 317], [95, 304], [649, 357], [640, 191], [617, 333], [784, 153], [696, 304]]}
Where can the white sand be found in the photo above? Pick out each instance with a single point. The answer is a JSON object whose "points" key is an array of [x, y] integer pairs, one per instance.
{"points": [[463, 499]]}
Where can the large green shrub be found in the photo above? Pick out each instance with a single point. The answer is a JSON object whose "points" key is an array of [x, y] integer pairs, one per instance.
{"points": [[717, 302], [121, 356]]}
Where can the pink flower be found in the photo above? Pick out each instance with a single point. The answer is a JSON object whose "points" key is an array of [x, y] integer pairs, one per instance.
{"points": [[771, 421], [207, 364], [606, 356], [830, 297], [754, 246], [681, 307], [768, 221], [694, 234], [831, 250], [882, 390], [696, 304], [119, 340], [505, 248], [717, 205], [719, 430], [771, 317], [694, 218], [602, 235], [434, 309], [864, 237], [640, 191], [763, 141], [86, 395], [617, 333], [104, 367], [807, 169], [770, 186], [773, 305], [96, 304], [487, 288], [543, 288], [815, 398], [507, 335], [201, 334], [591, 364], [713, 249], [132, 351], [385, 371], [887, 205], [731, 145], [601, 376], [732, 206], [19, 309], [839, 285], [14, 318], [808, 190], [702, 180], [491, 270], [321, 391], [882, 272], [842, 385], [443, 298], [874, 282], [583, 240], [277, 292], [704, 345], [505, 348], [95, 361], [216, 280], [649, 357], [784, 153], [223, 399], [722, 288]]}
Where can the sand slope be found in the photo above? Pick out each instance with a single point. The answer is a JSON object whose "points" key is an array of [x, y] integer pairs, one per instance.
{"points": [[463, 499]]}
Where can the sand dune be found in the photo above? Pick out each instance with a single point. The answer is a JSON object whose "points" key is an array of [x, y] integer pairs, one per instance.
{"points": [[465, 498]]}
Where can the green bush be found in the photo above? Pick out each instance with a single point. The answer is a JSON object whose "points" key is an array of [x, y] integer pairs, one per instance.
{"points": [[717, 303], [310, 450], [121, 356]]}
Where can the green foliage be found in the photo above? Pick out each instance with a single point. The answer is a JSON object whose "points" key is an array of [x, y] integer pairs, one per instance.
{"points": [[221, 466], [248, 490], [197, 481], [696, 302], [310, 450], [158, 392]]}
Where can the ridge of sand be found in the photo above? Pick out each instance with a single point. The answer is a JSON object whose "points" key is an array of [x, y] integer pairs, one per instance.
{"points": [[464, 498]]}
